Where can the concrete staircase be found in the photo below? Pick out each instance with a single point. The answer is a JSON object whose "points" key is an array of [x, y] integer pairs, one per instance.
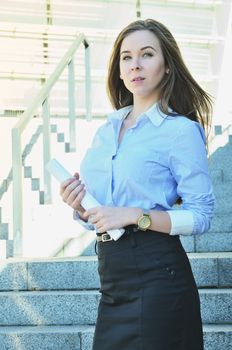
{"points": [[52, 303]]}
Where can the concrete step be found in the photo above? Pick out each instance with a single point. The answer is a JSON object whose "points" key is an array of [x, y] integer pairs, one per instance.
{"points": [[216, 305], [210, 270], [208, 242], [216, 241], [46, 338], [216, 337], [221, 153], [220, 164], [221, 223], [80, 307], [48, 308], [222, 204], [221, 189], [220, 173]]}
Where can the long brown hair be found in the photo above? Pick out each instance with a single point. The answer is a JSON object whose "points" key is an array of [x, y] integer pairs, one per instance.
{"points": [[178, 89]]}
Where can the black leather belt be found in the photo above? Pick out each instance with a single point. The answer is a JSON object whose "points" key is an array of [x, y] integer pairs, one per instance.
{"points": [[105, 237]]}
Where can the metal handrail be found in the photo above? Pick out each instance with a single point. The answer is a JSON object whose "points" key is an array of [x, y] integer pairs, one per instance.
{"points": [[42, 99]]}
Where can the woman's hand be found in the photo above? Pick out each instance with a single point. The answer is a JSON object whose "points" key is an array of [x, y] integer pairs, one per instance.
{"points": [[72, 192], [109, 218]]}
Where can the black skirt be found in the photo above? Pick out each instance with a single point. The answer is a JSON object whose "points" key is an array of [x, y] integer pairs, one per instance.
{"points": [[149, 299]]}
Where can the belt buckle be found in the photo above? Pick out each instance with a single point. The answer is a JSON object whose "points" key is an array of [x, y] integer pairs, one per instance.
{"points": [[106, 237]]}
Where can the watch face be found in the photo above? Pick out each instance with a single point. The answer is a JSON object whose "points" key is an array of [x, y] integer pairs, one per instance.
{"points": [[144, 222]]}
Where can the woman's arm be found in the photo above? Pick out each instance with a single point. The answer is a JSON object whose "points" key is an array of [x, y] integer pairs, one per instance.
{"points": [[188, 165], [107, 218]]}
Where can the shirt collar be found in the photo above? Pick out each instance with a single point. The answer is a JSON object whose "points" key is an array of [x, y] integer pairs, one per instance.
{"points": [[120, 113], [153, 113]]}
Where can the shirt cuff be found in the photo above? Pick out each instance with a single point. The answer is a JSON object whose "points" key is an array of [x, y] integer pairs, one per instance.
{"points": [[182, 222], [88, 226]]}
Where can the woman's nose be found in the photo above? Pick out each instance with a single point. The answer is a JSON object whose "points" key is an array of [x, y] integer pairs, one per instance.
{"points": [[135, 65]]}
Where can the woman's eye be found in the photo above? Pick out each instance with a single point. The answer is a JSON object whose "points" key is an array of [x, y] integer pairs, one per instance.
{"points": [[125, 58], [147, 54]]}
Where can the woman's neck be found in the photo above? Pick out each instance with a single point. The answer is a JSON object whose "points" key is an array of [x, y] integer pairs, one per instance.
{"points": [[140, 107]]}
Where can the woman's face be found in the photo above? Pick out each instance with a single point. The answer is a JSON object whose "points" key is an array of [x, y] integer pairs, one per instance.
{"points": [[142, 64]]}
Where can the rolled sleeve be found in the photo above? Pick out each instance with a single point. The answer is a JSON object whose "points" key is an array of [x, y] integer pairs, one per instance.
{"points": [[182, 222], [189, 166], [86, 225]]}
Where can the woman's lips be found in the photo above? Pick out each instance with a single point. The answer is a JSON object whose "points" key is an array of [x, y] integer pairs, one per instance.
{"points": [[137, 79]]}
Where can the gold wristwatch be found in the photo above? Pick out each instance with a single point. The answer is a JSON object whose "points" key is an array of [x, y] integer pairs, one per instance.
{"points": [[144, 221]]}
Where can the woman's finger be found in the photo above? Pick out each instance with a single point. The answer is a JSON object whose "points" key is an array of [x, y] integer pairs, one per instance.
{"points": [[93, 219], [69, 189], [66, 183], [74, 194], [76, 204], [89, 212], [77, 176]]}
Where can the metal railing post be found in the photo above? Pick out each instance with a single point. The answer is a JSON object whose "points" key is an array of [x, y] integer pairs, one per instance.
{"points": [[72, 106], [17, 193], [88, 102], [46, 151]]}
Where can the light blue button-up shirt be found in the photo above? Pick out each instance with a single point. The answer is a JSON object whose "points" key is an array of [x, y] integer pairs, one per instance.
{"points": [[160, 158]]}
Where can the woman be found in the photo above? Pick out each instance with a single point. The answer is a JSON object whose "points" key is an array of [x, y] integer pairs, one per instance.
{"points": [[149, 155]]}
